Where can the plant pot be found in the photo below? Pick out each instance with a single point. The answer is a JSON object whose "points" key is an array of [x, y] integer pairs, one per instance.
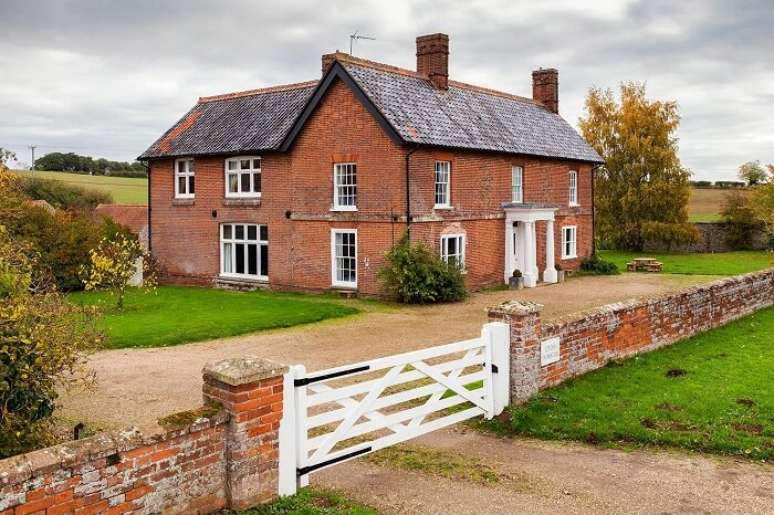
{"points": [[516, 283], [560, 276]]}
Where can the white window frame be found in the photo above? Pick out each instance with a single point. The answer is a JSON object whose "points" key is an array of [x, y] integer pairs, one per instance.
{"points": [[461, 246], [334, 268], [251, 171], [573, 229], [573, 187], [189, 175], [517, 189], [337, 206], [447, 203], [233, 241]]}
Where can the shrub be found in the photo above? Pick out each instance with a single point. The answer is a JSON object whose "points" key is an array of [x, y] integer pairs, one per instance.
{"points": [[43, 341], [62, 195], [416, 275], [596, 266], [740, 221]]}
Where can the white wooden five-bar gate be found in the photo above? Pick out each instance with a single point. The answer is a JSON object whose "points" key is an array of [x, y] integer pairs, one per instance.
{"points": [[335, 415]]}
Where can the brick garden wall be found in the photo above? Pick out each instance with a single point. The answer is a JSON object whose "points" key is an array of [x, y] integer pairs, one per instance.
{"points": [[226, 460], [713, 237], [590, 339]]}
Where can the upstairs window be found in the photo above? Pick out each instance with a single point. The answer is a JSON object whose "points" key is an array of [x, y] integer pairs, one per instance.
{"points": [[517, 179], [573, 188], [184, 178], [243, 177], [442, 184], [453, 249], [345, 187], [244, 251], [569, 242]]}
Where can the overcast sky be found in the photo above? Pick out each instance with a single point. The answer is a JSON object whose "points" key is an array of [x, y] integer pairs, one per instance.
{"points": [[106, 78]]}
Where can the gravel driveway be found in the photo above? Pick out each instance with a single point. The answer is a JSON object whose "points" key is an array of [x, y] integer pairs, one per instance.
{"points": [[137, 386]]}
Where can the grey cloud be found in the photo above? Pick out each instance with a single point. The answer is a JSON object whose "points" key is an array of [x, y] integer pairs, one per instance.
{"points": [[106, 78]]}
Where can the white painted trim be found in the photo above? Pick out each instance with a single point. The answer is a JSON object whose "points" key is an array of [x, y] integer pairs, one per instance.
{"points": [[564, 242], [334, 282], [463, 249], [239, 172], [191, 173], [572, 188], [336, 206], [447, 204], [258, 243], [520, 200]]}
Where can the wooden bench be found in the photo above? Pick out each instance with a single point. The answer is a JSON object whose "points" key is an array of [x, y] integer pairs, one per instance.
{"points": [[644, 265]]}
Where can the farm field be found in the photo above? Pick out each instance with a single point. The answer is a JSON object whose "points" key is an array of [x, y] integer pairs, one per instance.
{"points": [[710, 393], [705, 204], [124, 190]]}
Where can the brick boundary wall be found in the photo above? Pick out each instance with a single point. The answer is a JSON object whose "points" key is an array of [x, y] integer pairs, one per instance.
{"points": [[226, 460], [712, 238], [589, 340]]}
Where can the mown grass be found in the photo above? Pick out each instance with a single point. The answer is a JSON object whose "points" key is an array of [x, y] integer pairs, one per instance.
{"points": [[312, 501], [722, 263], [124, 190], [711, 393], [171, 315]]}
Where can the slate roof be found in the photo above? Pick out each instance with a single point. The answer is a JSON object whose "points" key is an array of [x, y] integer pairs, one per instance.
{"points": [[254, 120], [465, 116]]}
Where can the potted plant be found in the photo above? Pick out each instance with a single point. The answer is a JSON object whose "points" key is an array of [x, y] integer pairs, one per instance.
{"points": [[559, 273], [516, 281]]}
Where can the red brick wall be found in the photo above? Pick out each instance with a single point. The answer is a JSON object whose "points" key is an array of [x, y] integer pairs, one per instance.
{"points": [[591, 339], [299, 184]]}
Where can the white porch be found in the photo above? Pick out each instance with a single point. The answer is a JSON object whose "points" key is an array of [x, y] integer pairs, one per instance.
{"points": [[521, 241]]}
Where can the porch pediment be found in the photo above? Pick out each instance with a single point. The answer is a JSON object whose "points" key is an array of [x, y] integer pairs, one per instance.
{"points": [[529, 211]]}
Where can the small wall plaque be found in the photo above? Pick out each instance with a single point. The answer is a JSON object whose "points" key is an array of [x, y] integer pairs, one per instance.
{"points": [[549, 351]]}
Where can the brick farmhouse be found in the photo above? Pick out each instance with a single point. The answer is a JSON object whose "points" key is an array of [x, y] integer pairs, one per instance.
{"points": [[306, 186]]}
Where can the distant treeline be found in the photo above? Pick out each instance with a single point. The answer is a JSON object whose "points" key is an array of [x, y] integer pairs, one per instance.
{"points": [[718, 184], [70, 162]]}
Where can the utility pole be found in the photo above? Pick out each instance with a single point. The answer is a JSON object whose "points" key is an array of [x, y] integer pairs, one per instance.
{"points": [[354, 37], [32, 149]]}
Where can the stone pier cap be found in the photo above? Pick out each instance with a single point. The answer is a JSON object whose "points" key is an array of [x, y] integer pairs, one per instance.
{"points": [[244, 370]]}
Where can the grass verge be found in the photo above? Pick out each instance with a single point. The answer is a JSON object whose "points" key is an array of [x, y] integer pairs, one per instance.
{"points": [[174, 314], [312, 501], [712, 393], [722, 263]]}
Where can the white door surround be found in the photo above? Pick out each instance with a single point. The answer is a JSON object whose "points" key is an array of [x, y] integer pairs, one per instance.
{"points": [[521, 241]]}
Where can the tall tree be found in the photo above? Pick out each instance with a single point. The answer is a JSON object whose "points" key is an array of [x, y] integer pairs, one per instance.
{"points": [[752, 172], [642, 190]]}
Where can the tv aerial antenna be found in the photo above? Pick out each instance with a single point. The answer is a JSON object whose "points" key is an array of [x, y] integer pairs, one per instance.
{"points": [[354, 37]]}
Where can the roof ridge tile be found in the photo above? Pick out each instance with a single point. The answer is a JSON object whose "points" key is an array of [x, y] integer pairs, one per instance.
{"points": [[258, 91]]}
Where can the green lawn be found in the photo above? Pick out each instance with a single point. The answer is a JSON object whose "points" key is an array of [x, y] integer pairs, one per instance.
{"points": [[174, 314], [721, 263], [124, 190], [711, 393], [312, 501]]}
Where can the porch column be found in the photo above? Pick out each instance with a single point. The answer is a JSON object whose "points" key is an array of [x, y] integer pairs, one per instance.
{"points": [[530, 277], [535, 269], [549, 275], [508, 262]]}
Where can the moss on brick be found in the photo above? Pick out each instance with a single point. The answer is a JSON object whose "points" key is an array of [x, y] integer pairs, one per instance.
{"points": [[186, 418]]}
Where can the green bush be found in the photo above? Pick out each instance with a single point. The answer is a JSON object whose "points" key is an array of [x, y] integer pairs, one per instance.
{"points": [[61, 195], [596, 266], [740, 221], [416, 275]]}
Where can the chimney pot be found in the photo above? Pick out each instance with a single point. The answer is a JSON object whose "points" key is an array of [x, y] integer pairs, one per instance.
{"points": [[545, 88], [433, 59]]}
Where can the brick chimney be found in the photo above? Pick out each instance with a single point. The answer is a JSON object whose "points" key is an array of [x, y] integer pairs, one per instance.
{"points": [[433, 58], [545, 88]]}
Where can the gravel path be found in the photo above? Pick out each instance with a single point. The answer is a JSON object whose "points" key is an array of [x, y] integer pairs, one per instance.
{"points": [[552, 477], [137, 386]]}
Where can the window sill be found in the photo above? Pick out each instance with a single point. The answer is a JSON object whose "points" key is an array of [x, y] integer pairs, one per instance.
{"points": [[567, 258], [344, 209], [573, 204], [242, 202], [241, 279], [442, 208], [348, 287], [183, 202]]}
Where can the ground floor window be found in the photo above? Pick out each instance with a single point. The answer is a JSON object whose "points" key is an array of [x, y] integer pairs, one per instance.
{"points": [[453, 249], [569, 242], [344, 257], [244, 251]]}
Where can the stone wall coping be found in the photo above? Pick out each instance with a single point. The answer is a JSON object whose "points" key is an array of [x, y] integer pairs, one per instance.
{"points": [[245, 370], [23, 467], [515, 307], [634, 303]]}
